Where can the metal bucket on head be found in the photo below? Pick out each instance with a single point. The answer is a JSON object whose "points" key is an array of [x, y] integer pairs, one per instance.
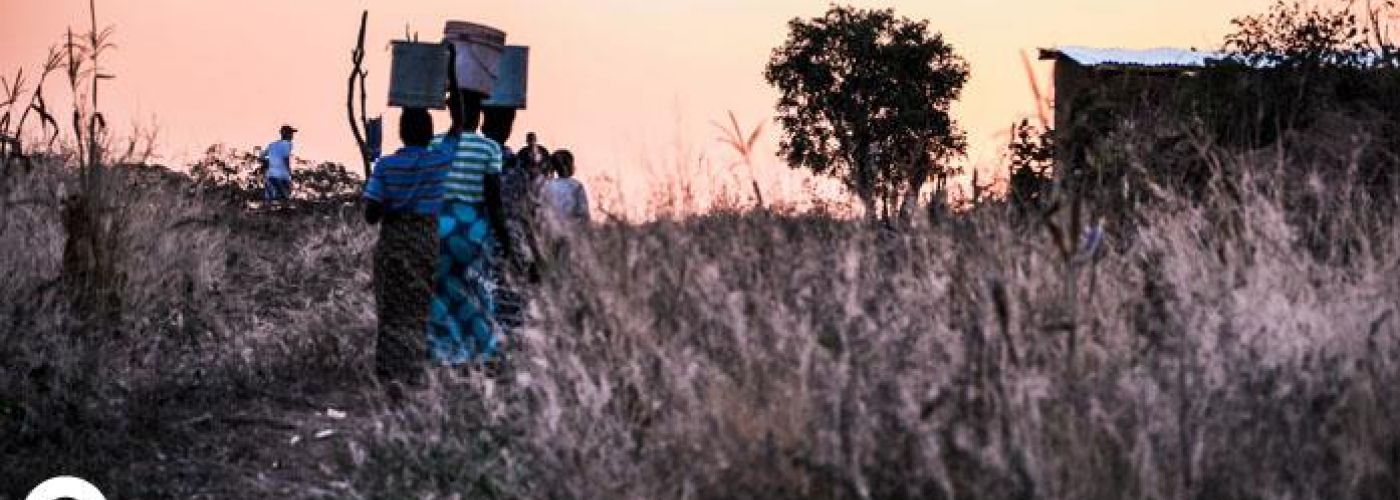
{"points": [[418, 75], [512, 82], [479, 49]]}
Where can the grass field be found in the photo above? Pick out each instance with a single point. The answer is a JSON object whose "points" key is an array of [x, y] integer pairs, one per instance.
{"points": [[1214, 348]]}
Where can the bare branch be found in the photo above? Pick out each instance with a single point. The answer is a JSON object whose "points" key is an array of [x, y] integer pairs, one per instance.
{"points": [[357, 57]]}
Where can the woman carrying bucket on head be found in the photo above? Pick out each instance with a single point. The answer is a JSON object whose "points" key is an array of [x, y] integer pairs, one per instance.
{"points": [[403, 195], [462, 327]]}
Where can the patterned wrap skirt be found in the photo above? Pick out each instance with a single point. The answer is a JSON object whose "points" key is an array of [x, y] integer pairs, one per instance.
{"points": [[462, 327], [405, 259]]}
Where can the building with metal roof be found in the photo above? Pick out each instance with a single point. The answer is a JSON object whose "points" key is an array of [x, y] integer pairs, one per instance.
{"points": [[1081, 69], [1112, 103], [1163, 57]]}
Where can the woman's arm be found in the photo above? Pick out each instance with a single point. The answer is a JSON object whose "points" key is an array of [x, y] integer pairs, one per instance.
{"points": [[374, 193]]}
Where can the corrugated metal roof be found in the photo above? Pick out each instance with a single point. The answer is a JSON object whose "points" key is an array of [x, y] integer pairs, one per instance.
{"points": [[1163, 57]]}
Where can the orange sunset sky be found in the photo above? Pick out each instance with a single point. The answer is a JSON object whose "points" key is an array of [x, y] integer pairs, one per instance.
{"points": [[630, 85]]}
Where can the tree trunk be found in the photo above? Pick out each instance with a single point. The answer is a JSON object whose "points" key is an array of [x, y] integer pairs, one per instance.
{"points": [[911, 192], [867, 201], [865, 182], [911, 201]]}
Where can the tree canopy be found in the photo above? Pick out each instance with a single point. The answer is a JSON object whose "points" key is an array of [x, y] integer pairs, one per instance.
{"points": [[1297, 35], [865, 97]]}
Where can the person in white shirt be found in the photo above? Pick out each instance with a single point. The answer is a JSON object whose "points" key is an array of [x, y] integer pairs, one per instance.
{"points": [[564, 199], [277, 160]]}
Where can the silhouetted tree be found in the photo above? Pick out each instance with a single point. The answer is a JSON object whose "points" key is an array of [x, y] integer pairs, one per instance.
{"points": [[1295, 35], [1298, 61], [865, 98], [1305, 64]]}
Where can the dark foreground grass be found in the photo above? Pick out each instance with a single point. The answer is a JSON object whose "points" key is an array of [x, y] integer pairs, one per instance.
{"points": [[1213, 350]]}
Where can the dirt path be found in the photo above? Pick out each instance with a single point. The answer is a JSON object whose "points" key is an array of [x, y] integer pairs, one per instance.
{"points": [[264, 444], [198, 420]]}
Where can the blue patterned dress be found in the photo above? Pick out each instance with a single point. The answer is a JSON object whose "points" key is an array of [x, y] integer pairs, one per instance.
{"points": [[462, 327]]}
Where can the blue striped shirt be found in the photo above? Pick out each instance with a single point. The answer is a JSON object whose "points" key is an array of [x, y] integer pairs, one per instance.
{"points": [[409, 181], [474, 156]]}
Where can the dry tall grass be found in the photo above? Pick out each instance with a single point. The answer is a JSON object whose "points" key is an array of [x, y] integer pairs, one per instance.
{"points": [[766, 356], [739, 355]]}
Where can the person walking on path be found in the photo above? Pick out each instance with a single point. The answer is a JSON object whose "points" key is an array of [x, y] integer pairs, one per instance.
{"points": [[497, 124], [564, 201], [462, 327], [404, 195], [564, 198], [533, 155], [519, 185], [277, 161]]}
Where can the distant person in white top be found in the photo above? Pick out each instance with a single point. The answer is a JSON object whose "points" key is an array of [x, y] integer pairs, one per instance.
{"points": [[277, 159], [564, 199]]}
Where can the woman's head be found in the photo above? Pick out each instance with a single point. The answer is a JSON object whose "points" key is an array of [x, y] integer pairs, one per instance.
{"points": [[465, 107], [416, 127], [563, 161], [497, 123]]}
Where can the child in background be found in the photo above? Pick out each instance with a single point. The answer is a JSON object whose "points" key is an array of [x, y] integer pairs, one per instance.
{"points": [[563, 198], [564, 207]]}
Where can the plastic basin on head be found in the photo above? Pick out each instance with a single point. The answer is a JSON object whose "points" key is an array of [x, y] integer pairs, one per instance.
{"points": [[479, 48]]}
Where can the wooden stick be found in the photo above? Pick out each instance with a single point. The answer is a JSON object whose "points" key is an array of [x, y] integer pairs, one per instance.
{"points": [[356, 72]]}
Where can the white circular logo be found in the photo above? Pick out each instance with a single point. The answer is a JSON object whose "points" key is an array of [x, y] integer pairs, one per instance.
{"points": [[65, 487]]}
